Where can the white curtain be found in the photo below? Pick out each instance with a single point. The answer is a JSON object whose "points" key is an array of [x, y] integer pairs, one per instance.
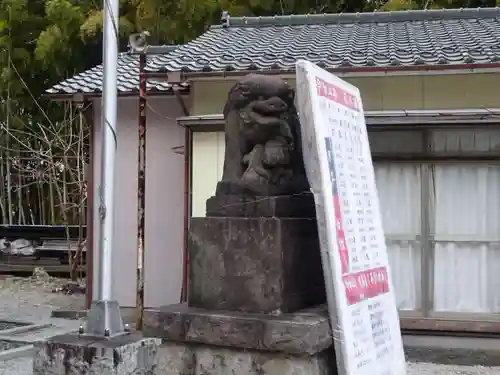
{"points": [[399, 190], [465, 223]]}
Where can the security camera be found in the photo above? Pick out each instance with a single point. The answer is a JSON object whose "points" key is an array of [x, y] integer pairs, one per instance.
{"points": [[225, 19], [78, 100], [138, 42]]}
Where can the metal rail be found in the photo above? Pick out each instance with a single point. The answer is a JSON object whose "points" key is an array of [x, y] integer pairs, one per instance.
{"points": [[12, 266], [36, 232]]}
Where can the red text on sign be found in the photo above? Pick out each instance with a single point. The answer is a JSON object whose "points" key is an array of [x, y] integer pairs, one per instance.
{"points": [[341, 242], [367, 284], [336, 94]]}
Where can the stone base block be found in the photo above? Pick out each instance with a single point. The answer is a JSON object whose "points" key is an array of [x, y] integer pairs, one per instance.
{"points": [[190, 359], [305, 332], [255, 265], [202, 342], [72, 354]]}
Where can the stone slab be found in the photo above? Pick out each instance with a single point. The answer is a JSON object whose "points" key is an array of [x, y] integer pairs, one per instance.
{"points": [[72, 354], [24, 329], [458, 350], [8, 325], [190, 359], [303, 333], [297, 206], [30, 337], [24, 350], [257, 265]]}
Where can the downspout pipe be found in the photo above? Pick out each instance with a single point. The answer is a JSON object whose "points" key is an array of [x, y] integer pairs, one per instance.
{"points": [[187, 200], [141, 192], [88, 115]]}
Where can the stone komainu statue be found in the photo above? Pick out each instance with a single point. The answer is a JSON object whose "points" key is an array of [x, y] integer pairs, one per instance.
{"points": [[263, 145]]}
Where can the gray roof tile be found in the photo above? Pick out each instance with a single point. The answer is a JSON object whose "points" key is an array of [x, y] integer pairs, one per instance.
{"points": [[90, 81], [379, 39]]}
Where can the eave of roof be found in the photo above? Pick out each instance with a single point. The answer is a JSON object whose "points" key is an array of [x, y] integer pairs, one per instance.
{"points": [[89, 83], [432, 39]]}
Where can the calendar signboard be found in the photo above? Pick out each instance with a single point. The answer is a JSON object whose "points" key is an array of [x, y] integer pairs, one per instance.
{"points": [[339, 167]]}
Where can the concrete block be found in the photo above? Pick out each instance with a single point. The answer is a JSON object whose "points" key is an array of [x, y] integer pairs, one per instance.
{"points": [[72, 354]]}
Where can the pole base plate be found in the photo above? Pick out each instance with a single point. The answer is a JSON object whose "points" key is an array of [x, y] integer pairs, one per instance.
{"points": [[104, 320]]}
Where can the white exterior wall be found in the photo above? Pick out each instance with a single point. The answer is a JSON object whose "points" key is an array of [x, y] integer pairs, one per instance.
{"points": [[164, 202]]}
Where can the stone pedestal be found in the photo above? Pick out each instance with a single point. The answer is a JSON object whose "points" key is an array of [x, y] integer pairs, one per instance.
{"points": [[267, 261], [254, 266], [73, 354], [202, 342]]}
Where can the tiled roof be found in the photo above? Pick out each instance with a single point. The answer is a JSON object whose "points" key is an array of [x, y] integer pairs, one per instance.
{"points": [[90, 82], [361, 40]]}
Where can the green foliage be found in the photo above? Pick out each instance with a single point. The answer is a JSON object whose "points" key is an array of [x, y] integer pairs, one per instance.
{"points": [[393, 5]]}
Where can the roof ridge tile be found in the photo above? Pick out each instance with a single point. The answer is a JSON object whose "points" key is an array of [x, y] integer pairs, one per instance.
{"points": [[360, 17]]}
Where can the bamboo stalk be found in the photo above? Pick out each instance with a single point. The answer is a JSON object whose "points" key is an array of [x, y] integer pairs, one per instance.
{"points": [[21, 219], [2, 187]]}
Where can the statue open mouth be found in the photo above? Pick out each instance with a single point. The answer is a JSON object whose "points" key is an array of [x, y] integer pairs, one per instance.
{"points": [[266, 119], [263, 155]]}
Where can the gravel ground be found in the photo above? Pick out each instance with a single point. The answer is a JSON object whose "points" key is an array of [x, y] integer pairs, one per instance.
{"points": [[33, 299]]}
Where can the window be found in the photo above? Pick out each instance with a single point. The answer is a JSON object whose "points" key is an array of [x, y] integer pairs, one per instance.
{"points": [[440, 210]]}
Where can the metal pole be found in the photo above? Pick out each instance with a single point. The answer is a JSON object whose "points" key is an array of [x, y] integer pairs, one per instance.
{"points": [[141, 190], [108, 128], [104, 318]]}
